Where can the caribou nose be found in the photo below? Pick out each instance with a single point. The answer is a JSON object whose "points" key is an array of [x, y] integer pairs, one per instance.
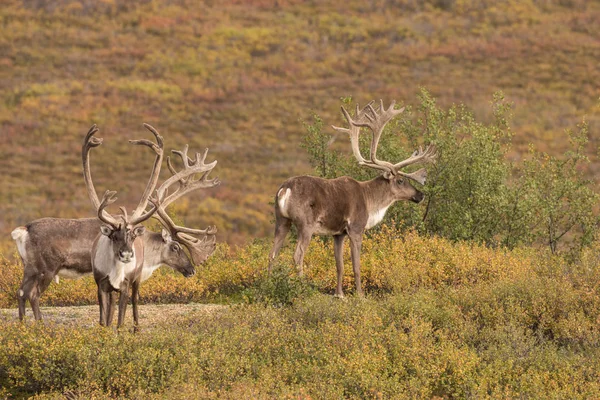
{"points": [[417, 198], [125, 255]]}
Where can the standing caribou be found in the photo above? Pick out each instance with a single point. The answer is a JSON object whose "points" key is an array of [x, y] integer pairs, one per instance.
{"points": [[54, 247], [343, 206]]}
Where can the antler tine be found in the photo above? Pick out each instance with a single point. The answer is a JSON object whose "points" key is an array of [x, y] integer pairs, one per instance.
{"points": [[184, 180], [200, 249], [183, 154], [175, 229], [107, 199], [89, 142], [185, 177], [158, 149], [124, 216], [201, 158], [419, 156], [354, 131], [138, 220]]}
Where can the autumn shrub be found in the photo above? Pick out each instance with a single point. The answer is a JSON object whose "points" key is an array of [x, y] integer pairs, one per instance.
{"points": [[392, 260], [282, 287], [11, 274], [408, 345], [440, 319]]}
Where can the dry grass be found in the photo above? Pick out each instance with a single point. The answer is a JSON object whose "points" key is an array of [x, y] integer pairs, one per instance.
{"points": [[151, 315]]}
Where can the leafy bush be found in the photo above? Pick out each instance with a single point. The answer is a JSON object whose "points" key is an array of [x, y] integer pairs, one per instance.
{"points": [[556, 199], [392, 260], [281, 288]]}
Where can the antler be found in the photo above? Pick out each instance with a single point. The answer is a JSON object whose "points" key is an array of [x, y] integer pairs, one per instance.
{"points": [[376, 120], [107, 199], [158, 149], [91, 141], [419, 156], [199, 248], [354, 131]]}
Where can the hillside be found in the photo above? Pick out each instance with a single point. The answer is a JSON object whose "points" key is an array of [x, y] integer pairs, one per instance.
{"points": [[238, 77]]}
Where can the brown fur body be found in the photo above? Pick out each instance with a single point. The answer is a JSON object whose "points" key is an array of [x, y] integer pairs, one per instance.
{"points": [[337, 207]]}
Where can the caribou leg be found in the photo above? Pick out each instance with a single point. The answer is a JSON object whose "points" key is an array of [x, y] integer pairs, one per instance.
{"points": [[282, 227], [338, 251], [123, 300], [24, 293], [42, 284], [355, 246], [304, 236], [135, 294]]}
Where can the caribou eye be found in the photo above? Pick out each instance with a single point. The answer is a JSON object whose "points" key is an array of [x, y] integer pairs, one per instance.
{"points": [[175, 248], [400, 181]]}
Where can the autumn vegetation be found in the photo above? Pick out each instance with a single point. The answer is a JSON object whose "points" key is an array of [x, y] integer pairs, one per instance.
{"points": [[489, 289]]}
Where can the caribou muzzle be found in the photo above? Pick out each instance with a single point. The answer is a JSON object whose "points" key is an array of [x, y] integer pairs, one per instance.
{"points": [[417, 198], [189, 272], [125, 256]]}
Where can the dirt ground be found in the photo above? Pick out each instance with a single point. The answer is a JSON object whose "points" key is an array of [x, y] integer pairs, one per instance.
{"points": [[87, 316]]}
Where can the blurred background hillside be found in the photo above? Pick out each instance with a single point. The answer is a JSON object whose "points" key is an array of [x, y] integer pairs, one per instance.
{"points": [[239, 77]]}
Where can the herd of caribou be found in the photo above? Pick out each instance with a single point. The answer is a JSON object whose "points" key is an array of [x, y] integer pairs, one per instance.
{"points": [[121, 253]]}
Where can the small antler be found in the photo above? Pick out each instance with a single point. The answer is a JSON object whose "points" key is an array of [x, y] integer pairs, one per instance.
{"points": [[429, 155], [199, 248], [376, 120]]}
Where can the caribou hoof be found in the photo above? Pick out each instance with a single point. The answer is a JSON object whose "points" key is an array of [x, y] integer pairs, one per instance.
{"points": [[339, 296]]}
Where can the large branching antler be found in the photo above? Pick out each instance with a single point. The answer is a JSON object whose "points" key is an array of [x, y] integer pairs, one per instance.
{"points": [[139, 214], [376, 120], [354, 131], [187, 181]]}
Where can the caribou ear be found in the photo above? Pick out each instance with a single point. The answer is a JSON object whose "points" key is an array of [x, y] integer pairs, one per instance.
{"points": [[166, 236], [106, 230]]}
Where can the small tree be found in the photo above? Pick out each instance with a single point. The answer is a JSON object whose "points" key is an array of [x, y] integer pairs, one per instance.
{"points": [[317, 144], [561, 199], [466, 192]]}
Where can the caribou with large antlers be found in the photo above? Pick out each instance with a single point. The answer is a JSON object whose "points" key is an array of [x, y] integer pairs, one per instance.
{"points": [[343, 206], [55, 247], [117, 253]]}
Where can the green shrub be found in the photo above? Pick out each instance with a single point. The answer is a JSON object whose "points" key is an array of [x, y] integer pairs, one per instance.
{"points": [[281, 288]]}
